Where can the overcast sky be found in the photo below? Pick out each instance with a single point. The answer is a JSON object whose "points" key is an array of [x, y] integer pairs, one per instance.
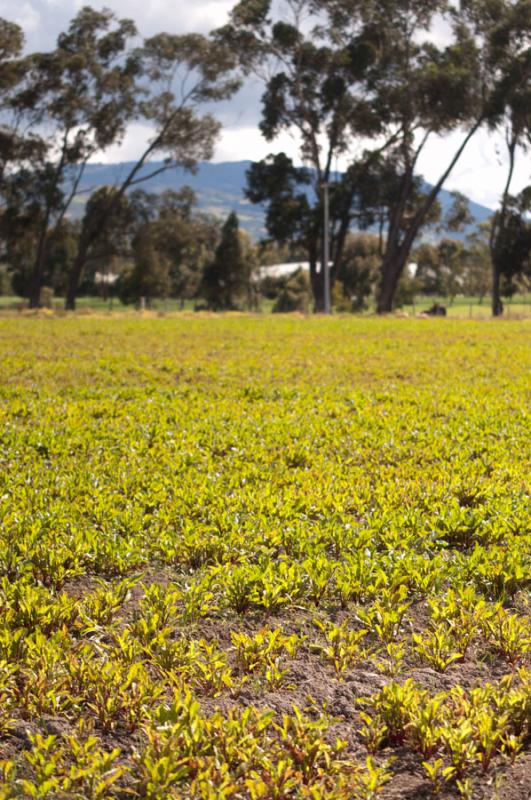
{"points": [[480, 174]]}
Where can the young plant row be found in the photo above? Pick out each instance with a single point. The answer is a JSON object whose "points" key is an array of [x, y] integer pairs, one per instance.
{"points": [[456, 734], [185, 753]]}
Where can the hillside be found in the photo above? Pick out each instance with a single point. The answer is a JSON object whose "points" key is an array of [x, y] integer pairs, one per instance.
{"points": [[219, 189]]}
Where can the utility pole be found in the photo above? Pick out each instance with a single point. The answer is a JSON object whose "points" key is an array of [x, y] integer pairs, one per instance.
{"points": [[326, 248]]}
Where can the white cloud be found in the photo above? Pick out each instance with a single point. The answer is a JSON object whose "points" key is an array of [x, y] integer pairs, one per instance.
{"points": [[440, 33], [130, 149], [482, 170], [175, 17], [239, 144], [151, 16], [24, 14]]}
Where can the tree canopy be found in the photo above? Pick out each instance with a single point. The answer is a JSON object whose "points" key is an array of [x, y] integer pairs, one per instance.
{"points": [[366, 81], [364, 84]]}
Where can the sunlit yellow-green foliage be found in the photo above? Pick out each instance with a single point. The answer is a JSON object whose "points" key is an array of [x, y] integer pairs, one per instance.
{"points": [[257, 558]]}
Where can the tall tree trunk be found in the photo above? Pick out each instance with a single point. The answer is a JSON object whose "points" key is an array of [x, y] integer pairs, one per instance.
{"points": [[392, 269], [386, 297], [338, 241], [37, 275], [498, 226], [497, 305], [398, 252], [74, 277], [38, 266], [35, 287]]}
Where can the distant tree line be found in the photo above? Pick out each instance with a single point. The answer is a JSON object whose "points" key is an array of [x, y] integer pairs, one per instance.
{"points": [[363, 81]]}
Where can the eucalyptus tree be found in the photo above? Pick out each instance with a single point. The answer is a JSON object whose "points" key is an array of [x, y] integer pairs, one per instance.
{"points": [[20, 146], [79, 97], [177, 74], [421, 90], [291, 220], [313, 73], [510, 38], [150, 277], [511, 248], [432, 91], [342, 72], [478, 273], [188, 237], [15, 141]]}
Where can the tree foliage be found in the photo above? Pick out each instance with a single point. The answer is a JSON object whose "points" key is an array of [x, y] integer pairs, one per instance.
{"points": [[511, 244], [364, 83], [226, 284], [313, 74], [79, 99], [342, 72]]}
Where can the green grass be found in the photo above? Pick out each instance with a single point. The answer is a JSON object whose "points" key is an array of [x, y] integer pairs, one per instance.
{"points": [[98, 304], [261, 557], [470, 308], [460, 308]]}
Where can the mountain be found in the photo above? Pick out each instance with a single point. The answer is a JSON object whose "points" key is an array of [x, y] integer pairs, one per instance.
{"points": [[219, 189]]}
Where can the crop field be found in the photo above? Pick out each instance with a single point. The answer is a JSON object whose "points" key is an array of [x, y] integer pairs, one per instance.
{"points": [[264, 558]]}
